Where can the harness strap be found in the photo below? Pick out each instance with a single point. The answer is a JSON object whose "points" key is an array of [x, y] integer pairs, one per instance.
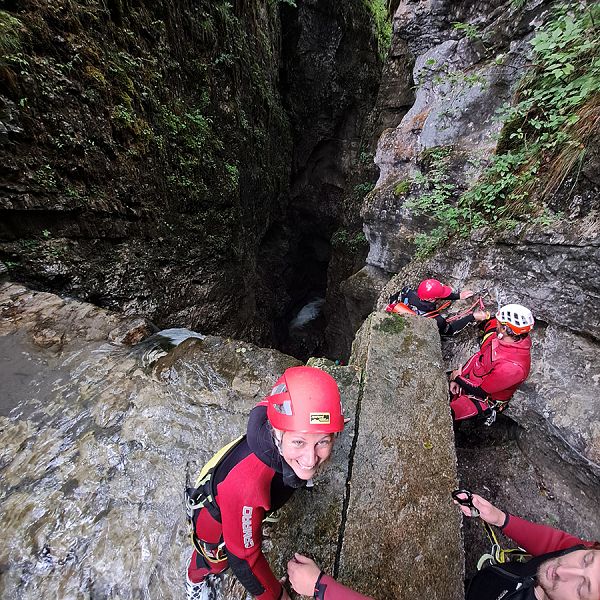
{"points": [[468, 311], [437, 311], [203, 496], [502, 555]]}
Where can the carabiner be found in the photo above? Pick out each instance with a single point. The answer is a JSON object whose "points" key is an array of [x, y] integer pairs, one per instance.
{"points": [[467, 501]]}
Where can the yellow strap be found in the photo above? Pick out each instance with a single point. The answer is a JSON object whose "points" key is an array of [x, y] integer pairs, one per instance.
{"points": [[214, 461]]}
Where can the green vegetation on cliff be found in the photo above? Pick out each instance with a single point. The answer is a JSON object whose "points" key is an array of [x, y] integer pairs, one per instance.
{"points": [[547, 130], [150, 135], [383, 24]]}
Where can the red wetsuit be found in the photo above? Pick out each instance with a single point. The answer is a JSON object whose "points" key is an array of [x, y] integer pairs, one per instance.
{"points": [[251, 480], [516, 581], [494, 373]]}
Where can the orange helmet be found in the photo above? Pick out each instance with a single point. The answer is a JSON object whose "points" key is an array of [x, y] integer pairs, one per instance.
{"points": [[307, 400]]}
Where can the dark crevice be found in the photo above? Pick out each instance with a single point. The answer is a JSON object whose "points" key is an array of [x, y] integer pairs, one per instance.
{"points": [[346, 502]]}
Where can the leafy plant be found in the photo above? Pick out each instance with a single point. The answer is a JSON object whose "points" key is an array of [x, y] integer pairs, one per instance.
{"points": [[470, 31], [383, 24], [11, 30], [343, 238], [402, 188], [546, 131], [362, 189]]}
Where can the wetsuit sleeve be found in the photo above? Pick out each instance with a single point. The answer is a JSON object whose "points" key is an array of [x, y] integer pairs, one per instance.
{"points": [[441, 323], [329, 589], [451, 296], [539, 539], [242, 514], [504, 375], [472, 390], [458, 325]]}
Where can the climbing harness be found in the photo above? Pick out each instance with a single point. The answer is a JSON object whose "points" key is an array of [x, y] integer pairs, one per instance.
{"points": [[497, 554], [202, 495]]}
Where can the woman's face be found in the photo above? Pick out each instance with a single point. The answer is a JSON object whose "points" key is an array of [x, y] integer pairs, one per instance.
{"points": [[305, 452]]}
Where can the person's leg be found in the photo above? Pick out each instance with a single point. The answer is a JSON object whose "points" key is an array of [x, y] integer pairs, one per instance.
{"points": [[199, 567], [465, 407], [210, 531]]}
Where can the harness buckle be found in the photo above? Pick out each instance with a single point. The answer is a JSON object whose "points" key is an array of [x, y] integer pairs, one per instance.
{"points": [[192, 504], [491, 418]]}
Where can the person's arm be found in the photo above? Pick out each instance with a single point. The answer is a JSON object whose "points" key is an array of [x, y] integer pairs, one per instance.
{"points": [[538, 539], [455, 326], [472, 390], [329, 589], [242, 512], [458, 295], [307, 579]]}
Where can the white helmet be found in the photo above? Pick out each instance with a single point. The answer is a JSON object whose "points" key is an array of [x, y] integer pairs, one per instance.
{"points": [[517, 317]]}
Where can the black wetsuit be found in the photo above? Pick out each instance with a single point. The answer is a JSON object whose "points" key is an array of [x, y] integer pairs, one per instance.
{"points": [[422, 307]]}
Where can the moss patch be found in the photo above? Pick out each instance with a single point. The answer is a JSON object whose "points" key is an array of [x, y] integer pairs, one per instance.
{"points": [[392, 324]]}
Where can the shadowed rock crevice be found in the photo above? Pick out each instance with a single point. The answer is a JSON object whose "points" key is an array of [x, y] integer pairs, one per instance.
{"points": [[346, 502]]}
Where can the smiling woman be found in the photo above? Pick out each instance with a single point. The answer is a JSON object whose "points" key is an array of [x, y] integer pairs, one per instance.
{"points": [[290, 434]]}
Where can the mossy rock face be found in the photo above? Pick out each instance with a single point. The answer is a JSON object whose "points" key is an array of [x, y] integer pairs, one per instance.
{"points": [[161, 150], [392, 324], [402, 188]]}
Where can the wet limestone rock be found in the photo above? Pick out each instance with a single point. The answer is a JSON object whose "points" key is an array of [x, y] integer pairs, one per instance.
{"points": [[401, 526], [51, 321], [111, 442]]}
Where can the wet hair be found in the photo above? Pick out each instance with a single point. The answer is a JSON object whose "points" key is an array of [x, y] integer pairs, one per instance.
{"points": [[509, 332]]}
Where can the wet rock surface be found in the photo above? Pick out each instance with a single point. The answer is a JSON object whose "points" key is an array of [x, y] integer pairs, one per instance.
{"points": [[96, 449], [98, 441]]}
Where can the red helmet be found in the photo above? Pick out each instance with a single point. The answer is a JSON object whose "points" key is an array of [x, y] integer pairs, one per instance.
{"points": [[307, 400], [431, 289]]}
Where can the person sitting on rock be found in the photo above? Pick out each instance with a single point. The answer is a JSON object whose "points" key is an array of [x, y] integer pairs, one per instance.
{"points": [[307, 579], [484, 385], [562, 567], [424, 301], [290, 434]]}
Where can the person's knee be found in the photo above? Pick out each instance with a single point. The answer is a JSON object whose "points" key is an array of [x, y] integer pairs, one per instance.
{"points": [[462, 407]]}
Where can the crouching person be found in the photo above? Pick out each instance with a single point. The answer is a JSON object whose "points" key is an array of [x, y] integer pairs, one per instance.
{"points": [[289, 436], [484, 385]]}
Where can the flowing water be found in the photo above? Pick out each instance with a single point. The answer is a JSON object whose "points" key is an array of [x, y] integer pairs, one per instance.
{"points": [[96, 442]]}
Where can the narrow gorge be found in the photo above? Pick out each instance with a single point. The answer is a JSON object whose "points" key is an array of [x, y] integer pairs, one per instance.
{"points": [[195, 196]]}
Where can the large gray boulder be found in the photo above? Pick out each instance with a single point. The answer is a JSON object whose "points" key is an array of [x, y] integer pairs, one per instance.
{"points": [[401, 526]]}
